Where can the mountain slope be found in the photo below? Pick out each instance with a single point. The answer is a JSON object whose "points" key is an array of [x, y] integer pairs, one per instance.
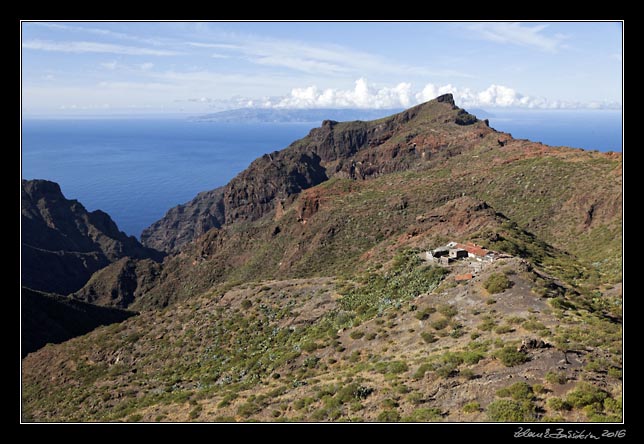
{"points": [[50, 318], [393, 345], [63, 243]]}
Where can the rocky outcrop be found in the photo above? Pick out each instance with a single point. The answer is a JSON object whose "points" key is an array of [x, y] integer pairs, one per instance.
{"points": [[121, 283], [63, 243], [185, 222], [357, 150], [51, 318]]}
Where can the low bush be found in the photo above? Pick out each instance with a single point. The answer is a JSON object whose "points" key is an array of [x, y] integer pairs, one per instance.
{"points": [[507, 410], [497, 283], [510, 357]]}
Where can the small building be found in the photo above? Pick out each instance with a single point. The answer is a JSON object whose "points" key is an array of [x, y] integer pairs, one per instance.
{"points": [[444, 260], [457, 253]]}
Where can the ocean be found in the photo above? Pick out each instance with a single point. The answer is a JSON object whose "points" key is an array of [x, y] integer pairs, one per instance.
{"points": [[137, 169]]}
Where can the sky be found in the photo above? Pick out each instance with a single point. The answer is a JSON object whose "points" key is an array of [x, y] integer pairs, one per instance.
{"points": [[116, 68]]}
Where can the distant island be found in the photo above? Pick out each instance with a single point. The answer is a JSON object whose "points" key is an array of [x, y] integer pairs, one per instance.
{"points": [[292, 115]]}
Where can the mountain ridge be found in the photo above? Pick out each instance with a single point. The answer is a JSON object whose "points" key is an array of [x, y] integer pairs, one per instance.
{"points": [[336, 149], [63, 243]]}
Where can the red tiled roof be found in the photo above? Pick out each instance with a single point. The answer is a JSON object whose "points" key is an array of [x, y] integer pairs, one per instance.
{"points": [[463, 277], [473, 249]]}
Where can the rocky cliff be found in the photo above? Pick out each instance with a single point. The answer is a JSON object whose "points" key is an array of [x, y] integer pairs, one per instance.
{"points": [[63, 243]]}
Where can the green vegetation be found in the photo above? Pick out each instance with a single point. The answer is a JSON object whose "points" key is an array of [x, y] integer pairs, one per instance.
{"points": [[472, 407], [558, 404], [585, 394], [389, 416], [424, 414], [428, 337], [510, 357], [506, 410], [556, 377], [407, 279], [518, 391], [497, 283]]}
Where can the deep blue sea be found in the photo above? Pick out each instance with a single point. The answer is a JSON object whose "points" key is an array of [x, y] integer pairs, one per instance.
{"points": [[137, 169]]}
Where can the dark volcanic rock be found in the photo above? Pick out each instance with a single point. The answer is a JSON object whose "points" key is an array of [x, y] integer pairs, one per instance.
{"points": [[63, 243]]}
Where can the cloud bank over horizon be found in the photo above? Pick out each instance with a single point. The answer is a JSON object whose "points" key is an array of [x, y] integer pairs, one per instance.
{"points": [[403, 95]]}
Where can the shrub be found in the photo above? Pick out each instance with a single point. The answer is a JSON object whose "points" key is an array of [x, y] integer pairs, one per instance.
{"points": [[309, 346], [518, 391], [196, 412], [248, 408], [487, 324], [420, 373], [502, 329], [246, 304], [510, 357], [356, 334], [439, 324], [467, 373], [506, 410], [497, 283], [396, 367], [538, 389], [449, 311], [371, 336], [424, 414], [428, 337], [389, 416], [393, 367], [228, 398], [135, 418], [558, 404], [585, 394], [416, 398], [472, 407], [556, 377], [390, 403]]}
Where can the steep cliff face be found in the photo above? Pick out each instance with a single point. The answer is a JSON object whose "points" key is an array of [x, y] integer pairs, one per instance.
{"points": [[185, 222], [63, 243], [356, 150]]}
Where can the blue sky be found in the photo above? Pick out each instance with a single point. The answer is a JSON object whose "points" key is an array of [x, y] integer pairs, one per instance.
{"points": [[102, 68]]}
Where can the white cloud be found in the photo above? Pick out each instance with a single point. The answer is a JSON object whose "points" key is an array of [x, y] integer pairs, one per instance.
{"points": [[93, 47], [364, 95], [146, 66], [518, 34]]}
